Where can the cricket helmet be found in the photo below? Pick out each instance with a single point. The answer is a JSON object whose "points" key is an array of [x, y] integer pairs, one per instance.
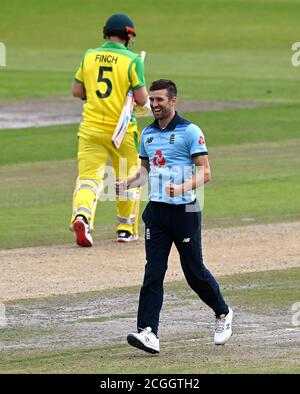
{"points": [[119, 25]]}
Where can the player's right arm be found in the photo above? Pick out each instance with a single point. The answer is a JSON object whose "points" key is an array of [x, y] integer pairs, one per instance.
{"points": [[139, 179], [141, 176], [78, 90]]}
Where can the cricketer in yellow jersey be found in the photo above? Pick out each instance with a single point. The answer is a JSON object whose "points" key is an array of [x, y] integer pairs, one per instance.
{"points": [[104, 77]]}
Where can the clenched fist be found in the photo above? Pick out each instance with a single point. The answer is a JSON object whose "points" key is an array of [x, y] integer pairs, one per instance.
{"points": [[121, 187], [173, 190]]}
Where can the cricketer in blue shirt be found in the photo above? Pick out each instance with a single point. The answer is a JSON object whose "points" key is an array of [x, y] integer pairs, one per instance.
{"points": [[170, 148]]}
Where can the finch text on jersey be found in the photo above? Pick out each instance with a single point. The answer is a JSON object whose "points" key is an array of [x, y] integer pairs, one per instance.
{"points": [[106, 58]]}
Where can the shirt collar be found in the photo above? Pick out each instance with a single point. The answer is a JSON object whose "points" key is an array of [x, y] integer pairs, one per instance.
{"points": [[171, 125], [114, 45]]}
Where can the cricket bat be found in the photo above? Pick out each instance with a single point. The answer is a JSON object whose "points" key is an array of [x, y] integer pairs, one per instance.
{"points": [[125, 116]]}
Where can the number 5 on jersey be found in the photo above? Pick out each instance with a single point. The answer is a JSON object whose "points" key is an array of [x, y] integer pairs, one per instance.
{"points": [[107, 81]]}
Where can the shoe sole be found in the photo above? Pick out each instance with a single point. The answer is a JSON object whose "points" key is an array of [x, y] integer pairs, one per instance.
{"points": [[133, 341], [223, 343], [124, 240], [81, 239]]}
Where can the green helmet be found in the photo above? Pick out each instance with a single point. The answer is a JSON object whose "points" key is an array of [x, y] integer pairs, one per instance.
{"points": [[119, 25]]}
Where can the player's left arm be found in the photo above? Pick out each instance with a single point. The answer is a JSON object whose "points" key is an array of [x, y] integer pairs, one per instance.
{"points": [[202, 163], [197, 148], [138, 84], [198, 151], [202, 175], [141, 97]]}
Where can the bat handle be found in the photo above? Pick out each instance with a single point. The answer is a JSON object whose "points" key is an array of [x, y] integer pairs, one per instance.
{"points": [[143, 55]]}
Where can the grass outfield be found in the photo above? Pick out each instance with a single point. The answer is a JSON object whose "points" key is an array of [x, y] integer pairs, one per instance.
{"points": [[261, 302], [214, 50], [234, 50], [266, 124], [255, 176]]}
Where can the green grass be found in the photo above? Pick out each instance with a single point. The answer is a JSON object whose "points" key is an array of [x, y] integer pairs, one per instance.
{"points": [[220, 127], [255, 181], [107, 318], [248, 125], [258, 24], [216, 50], [233, 286], [36, 204], [119, 359], [33, 84], [16, 334], [200, 79], [255, 167], [257, 291], [266, 294], [231, 50], [38, 144]]}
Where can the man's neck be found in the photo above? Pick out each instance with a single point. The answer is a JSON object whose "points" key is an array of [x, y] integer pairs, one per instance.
{"points": [[163, 123], [116, 39]]}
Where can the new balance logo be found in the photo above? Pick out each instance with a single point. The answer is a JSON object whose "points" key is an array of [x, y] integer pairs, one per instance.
{"points": [[149, 140], [186, 240], [228, 326]]}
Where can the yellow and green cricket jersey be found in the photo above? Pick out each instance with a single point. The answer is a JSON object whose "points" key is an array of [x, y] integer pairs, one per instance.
{"points": [[108, 73]]}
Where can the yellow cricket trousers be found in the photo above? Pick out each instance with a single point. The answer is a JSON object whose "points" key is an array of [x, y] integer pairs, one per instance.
{"points": [[98, 158]]}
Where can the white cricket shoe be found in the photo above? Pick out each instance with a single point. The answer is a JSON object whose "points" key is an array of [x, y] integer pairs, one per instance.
{"points": [[82, 232], [144, 340], [223, 330], [126, 236]]}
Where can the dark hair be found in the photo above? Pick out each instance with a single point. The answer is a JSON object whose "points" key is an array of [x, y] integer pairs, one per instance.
{"points": [[164, 84]]}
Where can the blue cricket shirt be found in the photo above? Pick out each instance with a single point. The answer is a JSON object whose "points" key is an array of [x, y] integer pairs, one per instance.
{"points": [[170, 152]]}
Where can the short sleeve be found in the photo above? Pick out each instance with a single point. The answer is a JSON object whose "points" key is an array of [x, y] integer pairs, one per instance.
{"points": [[136, 73], [78, 77], [195, 141], [143, 153]]}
